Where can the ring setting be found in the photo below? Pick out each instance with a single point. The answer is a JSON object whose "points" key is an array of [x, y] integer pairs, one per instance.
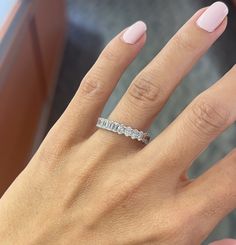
{"points": [[122, 129]]}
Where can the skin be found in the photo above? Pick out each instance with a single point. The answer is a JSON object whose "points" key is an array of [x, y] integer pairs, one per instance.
{"points": [[89, 186]]}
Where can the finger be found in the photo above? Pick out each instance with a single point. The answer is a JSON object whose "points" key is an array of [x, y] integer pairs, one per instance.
{"points": [[224, 242], [212, 195], [86, 106], [200, 123], [152, 87]]}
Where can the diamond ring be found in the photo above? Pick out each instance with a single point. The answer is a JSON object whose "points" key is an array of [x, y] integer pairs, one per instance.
{"points": [[120, 128]]}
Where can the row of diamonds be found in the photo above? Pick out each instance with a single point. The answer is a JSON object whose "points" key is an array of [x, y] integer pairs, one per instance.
{"points": [[122, 129]]}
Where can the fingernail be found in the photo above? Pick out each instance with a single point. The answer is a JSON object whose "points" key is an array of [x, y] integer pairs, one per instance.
{"points": [[213, 16], [224, 242], [134, 32]]}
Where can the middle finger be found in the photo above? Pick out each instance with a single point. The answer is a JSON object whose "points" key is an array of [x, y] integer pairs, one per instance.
{"points": [[152, 87]]}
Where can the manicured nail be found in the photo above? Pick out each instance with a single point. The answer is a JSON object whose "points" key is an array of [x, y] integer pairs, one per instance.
{"points": [[213, 16], [134, 32], [224, 242]]}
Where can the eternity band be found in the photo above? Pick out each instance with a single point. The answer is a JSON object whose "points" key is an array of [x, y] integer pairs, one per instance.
{"points": [[120, 128]]}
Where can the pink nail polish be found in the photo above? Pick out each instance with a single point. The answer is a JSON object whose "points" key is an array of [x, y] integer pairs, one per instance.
{"points": [[134, 32], [224, 242], [213, 16]]}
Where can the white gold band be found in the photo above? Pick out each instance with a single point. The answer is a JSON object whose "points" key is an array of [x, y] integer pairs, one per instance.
{"points": [[120, 128]]}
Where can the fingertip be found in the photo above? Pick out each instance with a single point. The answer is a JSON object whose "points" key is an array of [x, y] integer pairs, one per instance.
{"points": [[212, 17], [134, 33], [216, 28], [222, 26]]}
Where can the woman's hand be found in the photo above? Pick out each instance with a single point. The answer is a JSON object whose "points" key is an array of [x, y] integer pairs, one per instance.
{"points": [[90, 186]]}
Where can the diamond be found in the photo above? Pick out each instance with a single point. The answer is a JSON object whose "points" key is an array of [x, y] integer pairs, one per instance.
{"points": [[109, 125], [121, 129], [103, 123], [140, 136], [135, 134], [115, 127], [98, 123], [128, 131], [106, 123]]}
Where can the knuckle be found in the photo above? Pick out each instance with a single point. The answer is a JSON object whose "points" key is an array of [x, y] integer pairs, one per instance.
{"points": [[110, 53], [92, 86], [208, 117], [51, 156], [183, 41], [144, 91]]}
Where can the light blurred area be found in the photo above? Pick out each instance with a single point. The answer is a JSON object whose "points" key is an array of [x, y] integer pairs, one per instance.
{"points": [[5, 10], [44, 90]]}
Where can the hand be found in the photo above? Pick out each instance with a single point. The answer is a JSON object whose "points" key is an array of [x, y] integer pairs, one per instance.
{"points": [[91, 186]]}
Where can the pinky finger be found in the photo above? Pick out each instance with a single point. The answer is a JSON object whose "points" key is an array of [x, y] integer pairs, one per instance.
{"points": [[212, 195]]}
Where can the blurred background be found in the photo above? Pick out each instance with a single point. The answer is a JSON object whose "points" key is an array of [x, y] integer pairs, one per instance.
{"points": [[47, 46]]}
